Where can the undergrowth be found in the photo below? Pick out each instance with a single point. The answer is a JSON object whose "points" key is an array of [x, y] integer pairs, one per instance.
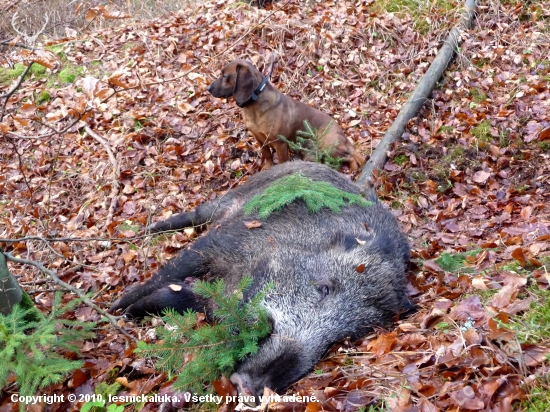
{"points": [[309, 144], [533, 326], [456, 262], [215, 348], [29, 345], [420, 11]]}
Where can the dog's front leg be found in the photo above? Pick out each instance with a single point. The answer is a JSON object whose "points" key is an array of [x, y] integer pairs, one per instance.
{"points": [[281, 149], [267, 156]]}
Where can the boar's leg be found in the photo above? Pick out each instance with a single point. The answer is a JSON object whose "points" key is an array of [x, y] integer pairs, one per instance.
{"points": [[168, 289], [202, 214], [175, 222], [177, 296]]}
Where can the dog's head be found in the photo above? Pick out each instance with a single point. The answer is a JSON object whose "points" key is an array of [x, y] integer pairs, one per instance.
{"points": [[238, 79]]}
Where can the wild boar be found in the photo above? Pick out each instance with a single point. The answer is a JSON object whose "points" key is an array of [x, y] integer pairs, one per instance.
{"points": [[335, 275]]}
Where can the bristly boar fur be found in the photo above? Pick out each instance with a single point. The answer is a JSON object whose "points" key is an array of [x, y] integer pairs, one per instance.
{"points": [[335, 275]]}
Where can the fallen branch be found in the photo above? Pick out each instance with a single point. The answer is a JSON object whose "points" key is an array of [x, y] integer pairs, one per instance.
{"points": [[116, 170], [418, 98], [20, 45], [68, 287]]}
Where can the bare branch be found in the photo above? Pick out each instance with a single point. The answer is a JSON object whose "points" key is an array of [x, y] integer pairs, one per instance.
{"points": [[55, 132], [11, 44], [116, 172], [68, 287], [12, 91]]}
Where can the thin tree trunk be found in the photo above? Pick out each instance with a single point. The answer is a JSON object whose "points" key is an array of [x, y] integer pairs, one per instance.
{"points": [[418, 98], [10, 291]]}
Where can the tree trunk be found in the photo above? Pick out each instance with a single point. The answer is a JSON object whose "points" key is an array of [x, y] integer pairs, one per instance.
{"points": [[418, 98], [10, 291]]}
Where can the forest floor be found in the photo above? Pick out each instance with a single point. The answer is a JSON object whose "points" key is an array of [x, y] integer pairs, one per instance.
{"points": [[469, 182]]}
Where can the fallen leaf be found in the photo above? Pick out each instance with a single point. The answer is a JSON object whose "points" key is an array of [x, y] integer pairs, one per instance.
{"points": [[252, 224]]}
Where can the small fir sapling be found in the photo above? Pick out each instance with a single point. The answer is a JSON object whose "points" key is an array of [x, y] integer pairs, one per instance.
{"points": [[216, 347]]}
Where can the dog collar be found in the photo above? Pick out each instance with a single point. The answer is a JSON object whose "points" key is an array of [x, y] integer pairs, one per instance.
{"points": [[256, 93]]}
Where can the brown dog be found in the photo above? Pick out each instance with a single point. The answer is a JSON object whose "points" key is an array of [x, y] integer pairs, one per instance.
{"points": [[268, 113]]}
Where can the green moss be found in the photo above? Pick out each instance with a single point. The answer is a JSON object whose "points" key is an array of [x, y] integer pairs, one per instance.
{"points": [[486, 295], [538, 400], [477, 95], [69, 74], [131, 45], [7, 75], [544, 146], [417, 9], [38, 70], [441, 169], [443, 327], [482, 132], [419, 177], [481, 62], [444, 186], [446, 129], [105, 389], [455, 262], [127, 225], [504, 138], [316, 196], [138, 125], [400, 160], [42, 98], [396, 204], [455, 153], [533, 326], [59, 51]]}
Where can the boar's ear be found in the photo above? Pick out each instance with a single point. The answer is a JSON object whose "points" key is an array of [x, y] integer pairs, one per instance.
{"points": [[384, 245], [349, 241], [244, 84]]}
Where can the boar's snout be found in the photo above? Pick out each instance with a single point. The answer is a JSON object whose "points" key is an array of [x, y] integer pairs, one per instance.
{"points": [[280, 361]]}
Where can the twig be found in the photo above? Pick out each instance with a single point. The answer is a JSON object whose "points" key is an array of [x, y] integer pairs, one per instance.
{"points": [[391, 34], [418, 98], [268, 75], [116, 172], [5, 7], [83, 239], [250, 30], [68, 287], [12, 91], [21, 45]]}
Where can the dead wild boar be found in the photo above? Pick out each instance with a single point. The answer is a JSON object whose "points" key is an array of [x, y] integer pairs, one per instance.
{"points": [[335, 275]]}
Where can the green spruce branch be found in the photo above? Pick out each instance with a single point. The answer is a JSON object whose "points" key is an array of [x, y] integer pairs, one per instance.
{"points": [[309, 142], [30, 341], [215, 348], [316, 195]]}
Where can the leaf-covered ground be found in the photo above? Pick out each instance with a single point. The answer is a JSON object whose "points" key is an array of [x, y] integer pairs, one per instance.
{"points": [[469, 182]]}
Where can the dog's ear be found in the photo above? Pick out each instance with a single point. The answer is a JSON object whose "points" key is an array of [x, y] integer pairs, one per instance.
{"points": [[244, 84]]}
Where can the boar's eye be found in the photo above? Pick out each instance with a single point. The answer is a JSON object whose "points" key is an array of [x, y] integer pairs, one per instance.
{"points": [[324, 291]]}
